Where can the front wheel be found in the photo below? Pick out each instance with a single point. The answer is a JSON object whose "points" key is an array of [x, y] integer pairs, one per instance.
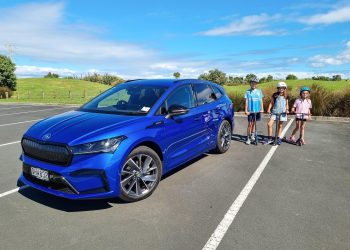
{"points": [[223, 139], [140, 174]]}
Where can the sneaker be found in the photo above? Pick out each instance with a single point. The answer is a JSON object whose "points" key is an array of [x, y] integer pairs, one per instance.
{"points": [[248, 141], [267, 141], [279, 141], [292, 138], [252, 137]]}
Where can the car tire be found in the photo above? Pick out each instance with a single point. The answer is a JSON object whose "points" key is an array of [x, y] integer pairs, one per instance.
{"points": [[140, 174], [223, 139]]}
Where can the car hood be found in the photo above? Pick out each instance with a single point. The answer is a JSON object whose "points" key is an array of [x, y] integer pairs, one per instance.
{"points": [[76, 127]]}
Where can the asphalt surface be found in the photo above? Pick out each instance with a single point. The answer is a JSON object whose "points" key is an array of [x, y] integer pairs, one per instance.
{"points": [[301, 200]]}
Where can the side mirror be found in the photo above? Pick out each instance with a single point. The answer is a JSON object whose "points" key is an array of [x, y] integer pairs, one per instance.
{"points": [[175, 110]]}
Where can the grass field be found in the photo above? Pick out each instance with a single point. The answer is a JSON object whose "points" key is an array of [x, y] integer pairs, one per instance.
{"points": [[50, 90], [294, 85]]}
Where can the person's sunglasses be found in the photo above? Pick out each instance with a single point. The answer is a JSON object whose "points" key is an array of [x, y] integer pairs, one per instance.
{"points": [[281, 87]]}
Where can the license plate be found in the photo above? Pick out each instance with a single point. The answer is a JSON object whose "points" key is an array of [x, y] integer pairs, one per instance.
{"points": [[39, 173]]}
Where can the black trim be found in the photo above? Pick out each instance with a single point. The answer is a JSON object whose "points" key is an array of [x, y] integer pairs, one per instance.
{"points": [[56, 181], [99, 172], [45, 159]]}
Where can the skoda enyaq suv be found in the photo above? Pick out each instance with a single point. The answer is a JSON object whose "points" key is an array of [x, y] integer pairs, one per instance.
{"points": [[121, 143]]}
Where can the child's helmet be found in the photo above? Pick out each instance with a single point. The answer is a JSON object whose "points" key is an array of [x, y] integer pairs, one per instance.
{"points": [[305, 89], [254, 79], [281, 85]]}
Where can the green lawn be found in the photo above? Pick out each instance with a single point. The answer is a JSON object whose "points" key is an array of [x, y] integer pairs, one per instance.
{"points": [[333, 86], [49, 90]]}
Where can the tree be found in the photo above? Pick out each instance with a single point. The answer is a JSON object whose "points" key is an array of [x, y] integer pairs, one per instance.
{"points": [[51, 75], [262, 80], [291, 77], [336, 78], [321, 78], [214, 75], [7, 73], [269, 78], [177, 75], [249, 77]]}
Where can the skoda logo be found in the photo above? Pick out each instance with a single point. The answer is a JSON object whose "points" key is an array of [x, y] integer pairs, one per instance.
{"points": [[46, 136]]}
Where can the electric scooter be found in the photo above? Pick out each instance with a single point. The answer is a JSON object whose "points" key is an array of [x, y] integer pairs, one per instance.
{"points": [[278, 118], [256, 131], [297, 142]]}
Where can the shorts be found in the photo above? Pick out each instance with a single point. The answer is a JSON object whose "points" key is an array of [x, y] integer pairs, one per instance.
{"points": [[299, 119], [251, 117], [283, 118]]}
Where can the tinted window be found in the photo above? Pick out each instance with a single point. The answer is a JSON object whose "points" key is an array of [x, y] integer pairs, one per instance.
{"points": [[204, 94], [217, 92], [182, 96], [126, 99]]}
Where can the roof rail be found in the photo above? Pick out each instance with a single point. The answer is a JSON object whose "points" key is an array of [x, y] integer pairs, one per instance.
{"points": [[133, 80]]}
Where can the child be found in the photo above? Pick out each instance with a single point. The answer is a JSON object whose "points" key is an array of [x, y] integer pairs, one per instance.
{"points": [[253, 107], [301, 106], [279, 105]]}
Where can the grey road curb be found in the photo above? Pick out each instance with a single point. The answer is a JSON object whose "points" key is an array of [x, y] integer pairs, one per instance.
{"points": [[39, 104], [314, 118]]}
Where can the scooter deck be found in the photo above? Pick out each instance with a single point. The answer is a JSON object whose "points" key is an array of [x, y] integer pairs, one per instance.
{"points": [[296, 143]]}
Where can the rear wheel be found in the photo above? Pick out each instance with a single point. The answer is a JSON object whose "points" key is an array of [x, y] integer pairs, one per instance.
{"points": [[223, 139], [140, 174]]}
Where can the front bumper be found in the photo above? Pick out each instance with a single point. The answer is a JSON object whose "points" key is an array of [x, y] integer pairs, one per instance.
{"points": [[91, 176]]}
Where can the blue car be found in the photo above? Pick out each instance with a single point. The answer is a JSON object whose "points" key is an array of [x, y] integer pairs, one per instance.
{"points": [[121, 143]]}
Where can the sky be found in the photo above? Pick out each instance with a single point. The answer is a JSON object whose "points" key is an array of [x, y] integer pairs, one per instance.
{"points": [[155, 38]]}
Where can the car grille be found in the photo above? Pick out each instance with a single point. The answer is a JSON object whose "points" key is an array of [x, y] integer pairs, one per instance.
{"points": [[47, 152]]}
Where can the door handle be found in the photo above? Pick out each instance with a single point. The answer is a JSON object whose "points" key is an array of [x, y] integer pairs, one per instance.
{"points": [[155, 124], [197, 118]]}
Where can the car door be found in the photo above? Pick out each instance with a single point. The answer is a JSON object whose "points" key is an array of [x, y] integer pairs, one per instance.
{"points": [[183, 133], [207, 106]]}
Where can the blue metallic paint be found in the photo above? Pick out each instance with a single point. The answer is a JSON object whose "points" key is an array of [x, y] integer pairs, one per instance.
{"points": [[178, 139]]}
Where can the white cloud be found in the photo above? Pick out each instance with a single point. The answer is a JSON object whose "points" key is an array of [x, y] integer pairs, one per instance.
{"points": [[165, 65], [340, 14], [35, 71], [39, 31], [324, 60], [255, 25], [283, 74]]}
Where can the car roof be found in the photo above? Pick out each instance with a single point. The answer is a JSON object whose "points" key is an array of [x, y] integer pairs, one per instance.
{"points": [[166, 82]]}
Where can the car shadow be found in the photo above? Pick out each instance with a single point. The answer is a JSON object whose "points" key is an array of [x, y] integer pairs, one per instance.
{"points": [[62, 203], [243, 138]]}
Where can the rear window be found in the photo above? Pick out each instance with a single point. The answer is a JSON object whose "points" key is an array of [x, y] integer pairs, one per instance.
{"points": [[217, 92], [204, 94]]}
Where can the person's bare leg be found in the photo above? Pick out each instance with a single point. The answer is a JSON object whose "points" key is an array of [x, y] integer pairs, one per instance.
{"points": [[297, 127], [280, 126], [269, 127]]}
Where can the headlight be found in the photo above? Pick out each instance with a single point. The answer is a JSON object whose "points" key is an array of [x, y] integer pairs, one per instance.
{"points": [[103, 146]]}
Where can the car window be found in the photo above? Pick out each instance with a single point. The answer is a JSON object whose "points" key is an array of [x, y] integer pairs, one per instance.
{"points": [[217, 92], [182, 96], [126, 99], [204, 94]]}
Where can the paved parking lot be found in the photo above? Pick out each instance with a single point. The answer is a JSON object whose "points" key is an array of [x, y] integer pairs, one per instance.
{"points": [[300, 201]]}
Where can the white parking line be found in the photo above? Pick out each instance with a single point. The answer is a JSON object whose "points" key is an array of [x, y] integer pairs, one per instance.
{"points": [[1, 145], [8, 124], [13, 191], [230, 215], [40, 110]]}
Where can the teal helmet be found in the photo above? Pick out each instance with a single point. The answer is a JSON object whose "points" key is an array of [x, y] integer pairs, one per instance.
{"points": [[305, 89]]}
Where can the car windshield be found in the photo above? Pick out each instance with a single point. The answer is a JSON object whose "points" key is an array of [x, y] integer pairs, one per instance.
{"points": [[128, 99]]}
